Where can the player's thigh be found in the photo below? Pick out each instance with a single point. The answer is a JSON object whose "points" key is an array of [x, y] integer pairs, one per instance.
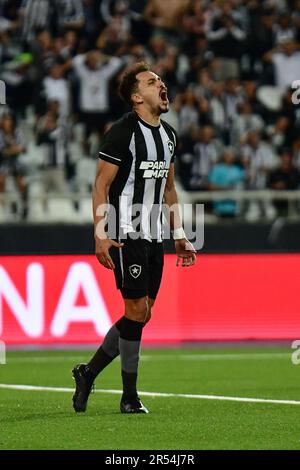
{"points": [[131, 268], [156, 267]]}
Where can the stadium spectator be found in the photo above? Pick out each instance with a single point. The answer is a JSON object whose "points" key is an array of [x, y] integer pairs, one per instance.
{"points": [[69, 14], [132, 12], [94, 71], [188, 114], [290, 111], [286, 61], [8, 49], [203, 83], [66, 45], [53, 140], [296, 17], [246, 121], [232, 98], [118, 27], [226, 175], [57, 88], [249, 93], [261, 37], [19, 91], [258, 158], [112, 8], [226, 38], [284, 29], [278, 132], [92, 21], [199, 55], [35, 14], [166, 16], [285, 177], [296, 152], [206, 153], [41, 48], [164, 59], [186, 156], [195, 19], [217, 107], [12, 146]]}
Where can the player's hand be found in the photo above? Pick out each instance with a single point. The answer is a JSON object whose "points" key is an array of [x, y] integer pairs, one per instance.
{"points": [[102, 251], [186, 253]]}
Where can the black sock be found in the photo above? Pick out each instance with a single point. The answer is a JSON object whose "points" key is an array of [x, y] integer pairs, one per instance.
{"points": [[98, 362], [129, 345], [129, 385], [107, 352]]}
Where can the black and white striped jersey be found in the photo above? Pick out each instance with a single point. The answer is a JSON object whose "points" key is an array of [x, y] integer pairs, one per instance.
{"points": [[36, 14], [144, 154]]}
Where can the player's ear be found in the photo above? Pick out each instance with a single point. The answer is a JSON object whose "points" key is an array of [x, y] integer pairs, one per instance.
{"points": [[136, 99]]}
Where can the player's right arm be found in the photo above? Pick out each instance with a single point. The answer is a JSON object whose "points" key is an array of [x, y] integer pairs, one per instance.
{"points": [[106, 174]]}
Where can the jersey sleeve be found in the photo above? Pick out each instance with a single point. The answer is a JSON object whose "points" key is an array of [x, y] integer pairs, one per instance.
{"points": [[114, 146], [174, 133]]}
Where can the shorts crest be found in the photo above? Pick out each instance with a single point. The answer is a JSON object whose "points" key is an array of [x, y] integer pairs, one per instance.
{"points": [[135, 270]]}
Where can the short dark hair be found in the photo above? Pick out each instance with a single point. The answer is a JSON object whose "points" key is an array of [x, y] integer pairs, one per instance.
{"points": [[129, 82]]}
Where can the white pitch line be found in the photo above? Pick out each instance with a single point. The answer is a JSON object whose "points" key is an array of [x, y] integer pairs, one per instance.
{"points": [[227, 356], [158, 357], [41, 359], [35, 388]]}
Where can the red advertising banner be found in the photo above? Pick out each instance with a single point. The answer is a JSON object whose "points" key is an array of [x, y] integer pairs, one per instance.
{"points": [[72, 299]]}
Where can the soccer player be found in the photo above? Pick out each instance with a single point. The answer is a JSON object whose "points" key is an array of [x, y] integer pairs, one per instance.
{"points": [[136, 168]]}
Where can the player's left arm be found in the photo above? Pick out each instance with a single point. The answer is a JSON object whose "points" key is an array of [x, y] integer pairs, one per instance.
{"points": [[186, 253]]}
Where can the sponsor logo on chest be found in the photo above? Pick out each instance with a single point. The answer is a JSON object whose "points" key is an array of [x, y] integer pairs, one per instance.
{"points": [[155, 169]]}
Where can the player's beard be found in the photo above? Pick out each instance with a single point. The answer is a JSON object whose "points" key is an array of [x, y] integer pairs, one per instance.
{"points": [[163, 109]]}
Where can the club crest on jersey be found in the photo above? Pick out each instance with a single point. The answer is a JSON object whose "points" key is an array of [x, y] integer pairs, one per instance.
{"points": [[171, 147], [155, 169], [135, 270]]}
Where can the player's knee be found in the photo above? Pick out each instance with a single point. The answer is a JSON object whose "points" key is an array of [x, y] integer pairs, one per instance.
{"points": [[137, 309]]}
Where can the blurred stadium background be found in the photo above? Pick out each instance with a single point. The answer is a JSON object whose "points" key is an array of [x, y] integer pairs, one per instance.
{"points": [[229, 67]]}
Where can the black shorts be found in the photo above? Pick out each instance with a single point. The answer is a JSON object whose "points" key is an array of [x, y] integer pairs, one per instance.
{"points": [[138, 268]]}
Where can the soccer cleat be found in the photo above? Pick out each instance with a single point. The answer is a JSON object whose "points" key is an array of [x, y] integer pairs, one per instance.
{"points": [[83, 389], [132, 406]]}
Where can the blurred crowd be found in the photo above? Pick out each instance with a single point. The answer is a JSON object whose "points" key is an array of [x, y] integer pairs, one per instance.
{"points": [[229, 67]]}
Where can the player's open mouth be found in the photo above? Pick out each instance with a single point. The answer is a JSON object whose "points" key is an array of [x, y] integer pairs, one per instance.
{"points": [[164, 96]]}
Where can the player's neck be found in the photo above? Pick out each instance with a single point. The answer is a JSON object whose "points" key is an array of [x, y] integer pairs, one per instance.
{"points": [[148, 117]]}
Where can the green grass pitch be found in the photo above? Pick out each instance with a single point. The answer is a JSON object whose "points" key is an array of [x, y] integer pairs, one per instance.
{"points": [[44, 419]]}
